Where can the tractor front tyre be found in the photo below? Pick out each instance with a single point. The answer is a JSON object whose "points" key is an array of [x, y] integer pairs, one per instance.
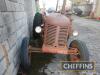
{"points": [[83, 54], [24, 54]]}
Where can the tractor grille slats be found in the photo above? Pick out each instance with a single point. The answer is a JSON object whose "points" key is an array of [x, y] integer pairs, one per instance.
{"points": [[51, 32], [62, 36], [56, 36]]}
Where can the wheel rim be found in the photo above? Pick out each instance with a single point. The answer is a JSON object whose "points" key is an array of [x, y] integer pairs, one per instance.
{"points": [[75, 57]]}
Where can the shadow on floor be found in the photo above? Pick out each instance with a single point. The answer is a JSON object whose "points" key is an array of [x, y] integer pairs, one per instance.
{"points": [[38, 62]]}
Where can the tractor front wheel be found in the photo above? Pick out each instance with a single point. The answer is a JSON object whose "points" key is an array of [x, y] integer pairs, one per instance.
{"points": [[25, 60], [82, 54]]}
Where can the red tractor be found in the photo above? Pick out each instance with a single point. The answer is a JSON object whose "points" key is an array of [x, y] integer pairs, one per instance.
{"points": [[52, 37]]}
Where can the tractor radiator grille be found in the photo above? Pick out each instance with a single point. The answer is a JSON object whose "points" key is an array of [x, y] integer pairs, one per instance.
{"points": [[50, 34], [62, 36], [56, 36]]}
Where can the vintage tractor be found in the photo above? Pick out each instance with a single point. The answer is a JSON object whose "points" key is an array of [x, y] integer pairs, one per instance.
{"points": [[51, 36]]}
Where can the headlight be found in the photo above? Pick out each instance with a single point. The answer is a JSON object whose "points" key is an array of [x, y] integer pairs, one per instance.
{"points": [[38, 29], [75, 33]]}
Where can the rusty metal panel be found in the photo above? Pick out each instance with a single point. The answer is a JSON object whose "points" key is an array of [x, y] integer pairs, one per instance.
{"points": [[56, 32]]}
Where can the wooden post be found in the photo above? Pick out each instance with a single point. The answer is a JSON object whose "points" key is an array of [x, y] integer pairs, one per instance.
{"points": [[63, 7], [57, 5]]}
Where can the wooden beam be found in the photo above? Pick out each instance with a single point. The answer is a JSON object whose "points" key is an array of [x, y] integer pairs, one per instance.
{"points": [[57, 5], [63, 7]]}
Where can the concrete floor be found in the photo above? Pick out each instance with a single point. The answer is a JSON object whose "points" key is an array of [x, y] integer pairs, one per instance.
{"points": [[89, 32]]}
